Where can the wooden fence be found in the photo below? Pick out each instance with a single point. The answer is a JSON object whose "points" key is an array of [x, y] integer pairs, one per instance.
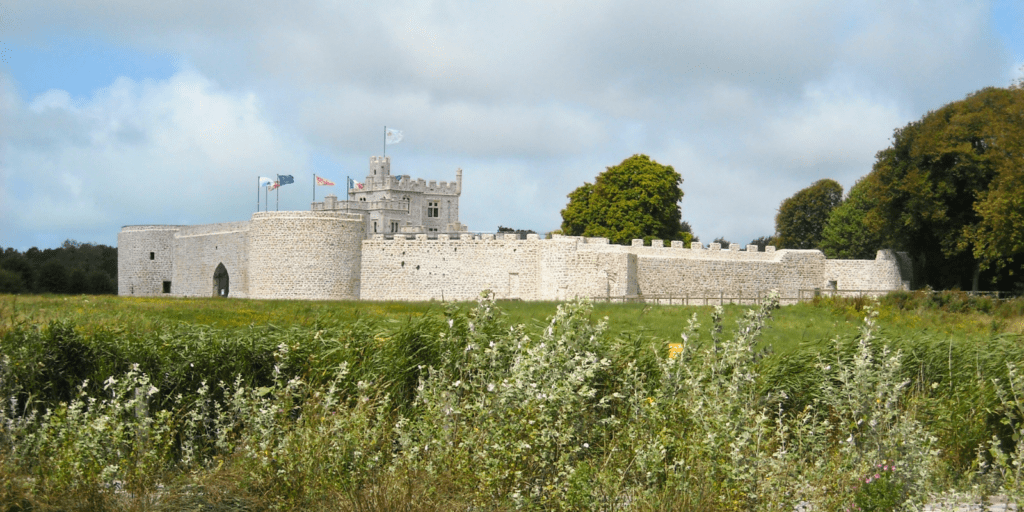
{"points": [[722, 298]]}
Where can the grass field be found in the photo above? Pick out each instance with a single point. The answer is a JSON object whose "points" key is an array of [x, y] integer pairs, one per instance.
{"points": [[167, 403]]}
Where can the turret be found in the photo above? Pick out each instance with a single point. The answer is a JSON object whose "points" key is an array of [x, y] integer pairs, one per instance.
{"points": [[458, 181], [380, 166]]}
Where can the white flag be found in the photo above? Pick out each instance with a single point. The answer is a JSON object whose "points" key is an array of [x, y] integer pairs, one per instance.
{"points": [[392, 136], [266, 182]]}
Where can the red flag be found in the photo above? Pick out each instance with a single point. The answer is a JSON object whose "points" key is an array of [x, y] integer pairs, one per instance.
{"points": [[274, 185], [324, 183]]}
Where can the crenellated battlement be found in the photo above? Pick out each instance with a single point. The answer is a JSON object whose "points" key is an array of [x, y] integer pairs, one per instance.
{"points": [[331, 203], [657, 247], [405, 183]]}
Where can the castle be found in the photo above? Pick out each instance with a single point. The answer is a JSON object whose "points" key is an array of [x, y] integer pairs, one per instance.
{"points": [[399, 239]]}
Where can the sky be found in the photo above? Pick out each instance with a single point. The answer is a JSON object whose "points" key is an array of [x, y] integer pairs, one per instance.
{"points": [[123, 112]]}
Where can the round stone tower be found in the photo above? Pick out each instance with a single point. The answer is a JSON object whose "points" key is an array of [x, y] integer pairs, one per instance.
{"points": [[145, 260], [305, 255]]}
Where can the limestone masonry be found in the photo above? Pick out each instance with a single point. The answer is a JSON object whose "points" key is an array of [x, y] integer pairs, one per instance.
{"points": [[400, 239]]}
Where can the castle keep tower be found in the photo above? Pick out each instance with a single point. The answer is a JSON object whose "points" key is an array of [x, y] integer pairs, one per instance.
{"points": [[398, 204]]}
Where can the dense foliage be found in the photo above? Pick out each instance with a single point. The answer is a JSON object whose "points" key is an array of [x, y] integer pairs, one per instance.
{"points": [[71, 268], [639, 198], [462, 409], [846, 235], [950, 190], [802, 217], [520, 232]]}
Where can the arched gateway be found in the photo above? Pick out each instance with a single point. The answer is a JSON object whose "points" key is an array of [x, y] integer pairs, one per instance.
{"points": [[220, 281]]}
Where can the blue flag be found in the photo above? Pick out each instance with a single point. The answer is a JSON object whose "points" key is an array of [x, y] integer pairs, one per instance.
{"points": [[285, 179]]}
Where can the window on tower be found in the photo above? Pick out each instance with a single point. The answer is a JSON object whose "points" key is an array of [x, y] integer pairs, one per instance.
{"points": [[432, 209]]}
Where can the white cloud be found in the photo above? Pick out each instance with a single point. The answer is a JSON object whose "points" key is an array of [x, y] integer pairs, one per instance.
{"points": [[748, 101], [180, 150]]}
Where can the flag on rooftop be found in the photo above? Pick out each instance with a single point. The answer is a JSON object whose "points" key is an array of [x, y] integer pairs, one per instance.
{"points": [[273, 186], [357, 185], [265, 182], [324, 183], [392, 136], [285, 179]]}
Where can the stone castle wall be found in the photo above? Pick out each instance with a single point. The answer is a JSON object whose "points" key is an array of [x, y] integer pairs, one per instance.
{"points": [[304, 255], [322, 255], [198, 250], [679, 274], [145, 259], [888, 271], [586, 267], [421, 269]]}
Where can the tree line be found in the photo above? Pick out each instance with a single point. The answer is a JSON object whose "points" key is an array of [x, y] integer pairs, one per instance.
{"points": [[73, 268], [949, 191]]}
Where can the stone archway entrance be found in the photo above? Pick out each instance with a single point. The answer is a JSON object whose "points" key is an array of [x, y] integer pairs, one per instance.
{"points": [[220, 281]]}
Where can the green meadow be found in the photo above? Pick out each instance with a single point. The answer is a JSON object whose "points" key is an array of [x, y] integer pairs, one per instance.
{"points": [[116, 403]]}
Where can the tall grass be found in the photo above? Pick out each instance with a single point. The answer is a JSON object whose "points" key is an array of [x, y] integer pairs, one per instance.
{"points": [[464, 407]]}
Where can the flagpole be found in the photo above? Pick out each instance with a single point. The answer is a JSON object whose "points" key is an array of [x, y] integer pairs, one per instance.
{"points": [[314, 187], [277, 197], [385, 140], [257, 193]]}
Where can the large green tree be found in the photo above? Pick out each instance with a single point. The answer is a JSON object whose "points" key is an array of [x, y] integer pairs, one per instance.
{"points": [[846, 235], [802, 217], [949, 189], [639, 198]]}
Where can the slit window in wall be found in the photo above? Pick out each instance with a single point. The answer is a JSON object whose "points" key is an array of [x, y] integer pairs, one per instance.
{"points": [[152, 255], [167, 287]]}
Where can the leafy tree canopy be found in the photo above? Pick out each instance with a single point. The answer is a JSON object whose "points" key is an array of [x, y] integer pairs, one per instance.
{"points": [[949, 190], [639, 198], [74, 267], [846, 235], [802, 217], [686, 233], [503, 229]]}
